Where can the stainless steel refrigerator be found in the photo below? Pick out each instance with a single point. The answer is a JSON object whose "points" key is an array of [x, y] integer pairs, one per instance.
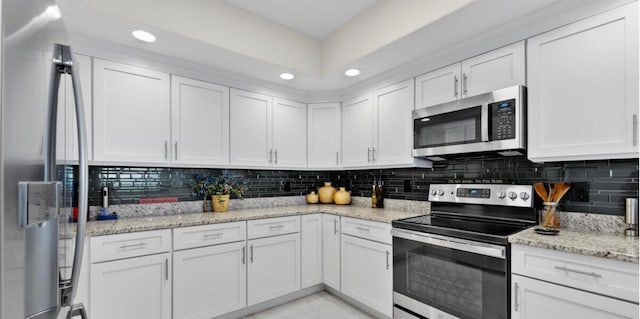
{"points": [[39, 181]]}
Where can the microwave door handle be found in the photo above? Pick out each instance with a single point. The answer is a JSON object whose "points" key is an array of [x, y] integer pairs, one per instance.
{"points": [[484, 122]]}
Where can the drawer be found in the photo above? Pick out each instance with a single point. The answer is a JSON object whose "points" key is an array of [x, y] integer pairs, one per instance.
{"points": [[376, 231], [206, 235], [273, 226], [608, 277], [129, 245]]}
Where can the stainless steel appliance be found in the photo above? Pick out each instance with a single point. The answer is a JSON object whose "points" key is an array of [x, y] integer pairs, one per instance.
{"points": [[39, 186], [454, 263], [492, 121]]}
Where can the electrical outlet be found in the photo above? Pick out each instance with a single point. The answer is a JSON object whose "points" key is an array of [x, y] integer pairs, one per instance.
{"points": [[579, 192]]}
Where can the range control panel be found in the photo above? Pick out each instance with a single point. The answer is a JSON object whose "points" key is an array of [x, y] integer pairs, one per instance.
{"points": [[489, 194]]}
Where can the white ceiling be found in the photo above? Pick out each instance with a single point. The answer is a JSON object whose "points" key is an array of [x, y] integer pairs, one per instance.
{"points": [[312, 17]]}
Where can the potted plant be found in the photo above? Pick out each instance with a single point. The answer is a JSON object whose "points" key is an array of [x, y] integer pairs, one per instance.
{"points": [[200, 189], [222, 189]]}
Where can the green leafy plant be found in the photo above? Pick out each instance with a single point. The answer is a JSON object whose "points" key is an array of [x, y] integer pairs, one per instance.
{"points": [[206, 186]]}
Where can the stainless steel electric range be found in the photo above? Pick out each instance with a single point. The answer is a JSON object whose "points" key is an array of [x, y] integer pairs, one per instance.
{"points": [[454, 263]]}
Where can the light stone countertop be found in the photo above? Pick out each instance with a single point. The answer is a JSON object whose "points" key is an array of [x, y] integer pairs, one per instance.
{"points": [[599, 244], [126, 225]]}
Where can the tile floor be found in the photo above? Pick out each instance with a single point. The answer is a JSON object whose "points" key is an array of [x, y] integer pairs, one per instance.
{"points": [[322, 305]]}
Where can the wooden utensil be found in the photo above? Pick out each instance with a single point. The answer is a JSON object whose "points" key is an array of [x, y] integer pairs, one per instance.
{"points": [[541, 191], [561, 189]]}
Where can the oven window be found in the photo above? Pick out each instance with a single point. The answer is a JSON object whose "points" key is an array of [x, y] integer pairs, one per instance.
{"points": [[463, 284], [459, 127]]}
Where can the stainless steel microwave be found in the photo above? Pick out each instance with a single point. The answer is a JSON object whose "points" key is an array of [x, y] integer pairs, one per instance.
{"points": [[490, 122]]}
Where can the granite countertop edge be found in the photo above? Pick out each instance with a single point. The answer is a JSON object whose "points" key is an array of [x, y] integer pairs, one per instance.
{"points": [[614, 246], [138, 224]]}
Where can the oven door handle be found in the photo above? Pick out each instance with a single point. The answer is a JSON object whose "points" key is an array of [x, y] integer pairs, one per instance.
{"points": [[458, 244], [484, 122]]}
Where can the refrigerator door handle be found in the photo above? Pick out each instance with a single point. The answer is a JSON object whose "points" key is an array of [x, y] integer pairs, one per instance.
{"points": [[64, 63]]}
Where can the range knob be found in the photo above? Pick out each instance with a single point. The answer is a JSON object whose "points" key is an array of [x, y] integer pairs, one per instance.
{"points": [[502, 195], [434, 192], [513, 195], [441, 193], [524, 196]]}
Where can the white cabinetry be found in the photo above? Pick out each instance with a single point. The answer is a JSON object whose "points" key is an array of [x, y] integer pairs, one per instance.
{"points": [[331, 251], [200, 122], [378, 130], [131, 114], [553, 284], [490, 71], [311, 243], [267, 132], [583, 89], [323, 135]]}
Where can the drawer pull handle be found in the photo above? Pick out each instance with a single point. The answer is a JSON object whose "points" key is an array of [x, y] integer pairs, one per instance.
{"points": [[244, 254], [517, 292], [592, 274], [276, 227], [335, 226], [362, 228], [207, 236], [138, 246], [388, 260], [251, 250]]}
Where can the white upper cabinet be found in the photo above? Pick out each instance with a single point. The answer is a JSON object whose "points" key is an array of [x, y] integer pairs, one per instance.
{"points": [[484, 73], [251, 130], [357, 131], [583, 89], [67, 140], [200, 122], [393, 137], [323, 135], [131, 114], [289, 133]]}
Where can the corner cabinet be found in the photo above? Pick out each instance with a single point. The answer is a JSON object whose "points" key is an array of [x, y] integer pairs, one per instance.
{"points": [[311, 251], [331, 251], [323, 135], [583, 89], [131, 119], [267, 132], [357, 131], [484, 73], [200, 122]]}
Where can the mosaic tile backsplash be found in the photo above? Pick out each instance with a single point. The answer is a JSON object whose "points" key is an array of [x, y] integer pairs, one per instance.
{"points": [[607, 182]]}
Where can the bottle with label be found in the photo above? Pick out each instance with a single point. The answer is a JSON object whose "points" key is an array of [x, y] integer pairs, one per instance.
{"points": [[374, 199], [380, 193]]}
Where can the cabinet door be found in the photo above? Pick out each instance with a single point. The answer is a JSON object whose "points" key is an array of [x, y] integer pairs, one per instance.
{"points": [[131, 114], [311, 242], [393, 137], [289, 133], [357, 132], [494, 70], [67, 135], [274, 267], [532, 299], [331, 251], [250, 129], [367, 273], [200, 122], [209, 281], [583, 89], [323, 135], [439, 86], [135, 288]]}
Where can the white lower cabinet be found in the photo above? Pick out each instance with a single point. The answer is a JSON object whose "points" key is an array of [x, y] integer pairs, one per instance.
{"points": [[331, 251], [273, 268], [135, 288], [367, 274], [311, 252], [534, 299]]}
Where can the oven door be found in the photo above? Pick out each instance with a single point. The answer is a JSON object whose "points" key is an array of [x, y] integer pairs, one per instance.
{"points": [[442, 277], [450, 127]]}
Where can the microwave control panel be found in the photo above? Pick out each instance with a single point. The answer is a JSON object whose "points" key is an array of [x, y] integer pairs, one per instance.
{"points": [[503, 120]]}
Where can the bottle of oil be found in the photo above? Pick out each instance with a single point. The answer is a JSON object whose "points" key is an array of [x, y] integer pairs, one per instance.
{"points": [[374, 198]]}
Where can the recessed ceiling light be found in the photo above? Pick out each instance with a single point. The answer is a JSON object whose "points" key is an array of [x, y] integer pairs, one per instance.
{"points": [[287, 76], [53, 12], [352, 72], [144, 36]]}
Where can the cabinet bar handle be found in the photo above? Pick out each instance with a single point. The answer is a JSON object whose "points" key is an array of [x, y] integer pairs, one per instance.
{"points": [[635, 129], [362, 228], [335, 226], [166, 149], [276, 227], [517, 292], [166, 269], [244, 252], [276, 153], [455, 85], [251, 251], [207, 236], [373, 154], [139, 246], [176, 151], [270, 156], [388, 260], [592, 274], [368, 154], [464, 84], [337, 158]]}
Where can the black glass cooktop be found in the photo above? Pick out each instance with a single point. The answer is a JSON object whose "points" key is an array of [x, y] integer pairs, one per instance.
{"points": [[488, 231]]}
